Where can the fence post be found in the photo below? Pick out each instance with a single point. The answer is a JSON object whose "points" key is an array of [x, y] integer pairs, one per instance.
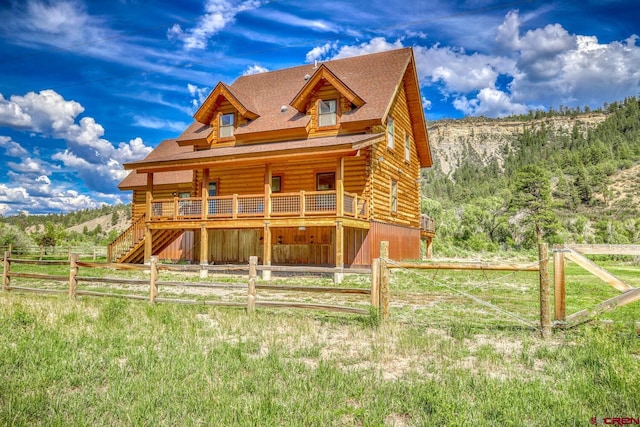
{"points": [[375, 283], [41, 252], [559, 293], [251, 291], [384, 279], [73, 275], [545, 312], [5, 271], [153, 276]]}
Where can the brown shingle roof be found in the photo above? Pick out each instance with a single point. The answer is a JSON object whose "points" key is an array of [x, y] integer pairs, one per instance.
{"points": [[177, 160], [167, 148], [374, 78]]}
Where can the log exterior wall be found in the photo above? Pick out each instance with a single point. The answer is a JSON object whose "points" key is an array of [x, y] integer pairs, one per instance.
{"points": [[394, 167]]}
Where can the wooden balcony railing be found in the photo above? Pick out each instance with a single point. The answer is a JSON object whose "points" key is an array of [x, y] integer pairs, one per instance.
{"points": [[302, 204], [427, 224]]}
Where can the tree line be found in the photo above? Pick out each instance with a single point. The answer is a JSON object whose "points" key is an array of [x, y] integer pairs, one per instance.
{"points": [[552, 185]]}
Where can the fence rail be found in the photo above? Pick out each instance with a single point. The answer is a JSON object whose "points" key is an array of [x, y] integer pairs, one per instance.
{"points": [[147, 288], [56, 252]]}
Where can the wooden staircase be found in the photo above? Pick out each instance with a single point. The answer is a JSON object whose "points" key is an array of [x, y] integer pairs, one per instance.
{"points": [[129, 246]]}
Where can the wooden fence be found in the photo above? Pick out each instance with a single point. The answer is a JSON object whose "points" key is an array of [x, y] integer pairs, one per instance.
{"points": [[576, 253], [154, 282], [542, 267], [56, 252]]}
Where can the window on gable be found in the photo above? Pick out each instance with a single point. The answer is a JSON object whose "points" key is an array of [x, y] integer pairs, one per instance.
{"points": [[394, 196], [327, 113], [407, 148], [227, 122], [390, 133]]}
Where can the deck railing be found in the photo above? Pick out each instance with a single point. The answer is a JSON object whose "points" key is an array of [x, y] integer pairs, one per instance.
{"points": [[427, 224], [300, 204]]}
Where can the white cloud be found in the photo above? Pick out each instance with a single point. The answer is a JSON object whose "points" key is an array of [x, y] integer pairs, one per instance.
{"points": [[332, 50], [31, 165], [218, 14], [489, 102], [96, 160], [254, 69], [295, 21], [198, 94], [12, 148], [157, 123], [319, 51]]}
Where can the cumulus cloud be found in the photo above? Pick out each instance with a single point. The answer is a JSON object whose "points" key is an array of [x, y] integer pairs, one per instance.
{"points": [[12, 148], [254, 69], [530, 69], [94, 159], [332, 51], [218, 14]]}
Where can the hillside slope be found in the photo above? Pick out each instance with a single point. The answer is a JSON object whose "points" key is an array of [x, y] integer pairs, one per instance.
{"points": [[486, 139]]}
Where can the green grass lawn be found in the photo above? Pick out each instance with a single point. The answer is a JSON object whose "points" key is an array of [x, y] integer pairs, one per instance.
{"points": [[441, 359]]}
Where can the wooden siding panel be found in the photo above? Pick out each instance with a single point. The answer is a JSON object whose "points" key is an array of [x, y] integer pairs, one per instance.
{"points": [[181, 249], [404, 242]]}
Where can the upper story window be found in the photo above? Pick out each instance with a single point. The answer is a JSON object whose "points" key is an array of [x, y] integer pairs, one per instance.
{"points": [[390, 133], [227, 122], [394, 196], [327, 113], [407, 148]]}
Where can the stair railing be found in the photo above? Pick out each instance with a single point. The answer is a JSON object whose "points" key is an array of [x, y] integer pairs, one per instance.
{"points": [[127, 240]]}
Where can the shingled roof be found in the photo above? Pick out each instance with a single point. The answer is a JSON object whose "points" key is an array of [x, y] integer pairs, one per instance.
{"points": [[373, 80]]}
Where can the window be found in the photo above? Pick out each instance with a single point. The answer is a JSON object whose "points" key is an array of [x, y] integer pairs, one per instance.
{"points": [[213, 189], [276, 184], [390, 133], [327, 113], [394, 196], [325, 181], [407, 148], [226, 125], [184, 195]]}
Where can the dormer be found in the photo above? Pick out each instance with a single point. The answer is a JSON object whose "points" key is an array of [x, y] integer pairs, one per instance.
{"points": [[325, 97], [221, 113]]}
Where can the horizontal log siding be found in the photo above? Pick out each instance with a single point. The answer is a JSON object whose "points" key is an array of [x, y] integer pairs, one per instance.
{"points": [[408, 212]]}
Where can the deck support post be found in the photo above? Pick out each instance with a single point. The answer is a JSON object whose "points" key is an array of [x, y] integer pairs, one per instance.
{"points": [[338, 276], [204, 250], [204, 194], [266, 256], [340, 187]]}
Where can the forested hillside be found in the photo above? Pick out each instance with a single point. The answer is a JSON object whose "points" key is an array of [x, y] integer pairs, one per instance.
{"points": [[78, 228], [571, 183]]}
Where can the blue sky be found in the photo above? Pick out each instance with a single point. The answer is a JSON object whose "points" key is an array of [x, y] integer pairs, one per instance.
{"points": [[87, 85]]}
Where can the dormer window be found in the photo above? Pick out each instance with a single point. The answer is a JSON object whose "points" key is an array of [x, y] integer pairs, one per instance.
{"points": [[327, 113], [227, 122]]}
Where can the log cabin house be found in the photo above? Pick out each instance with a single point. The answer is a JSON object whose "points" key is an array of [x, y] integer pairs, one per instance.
{"points": [[314, 164]]}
